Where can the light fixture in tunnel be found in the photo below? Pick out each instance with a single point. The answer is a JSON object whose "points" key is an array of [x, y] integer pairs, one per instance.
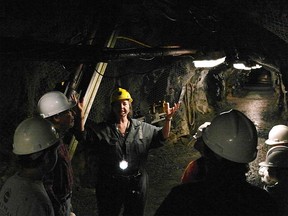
{"points": [[208, 63], [242, 66], [256, 66]]}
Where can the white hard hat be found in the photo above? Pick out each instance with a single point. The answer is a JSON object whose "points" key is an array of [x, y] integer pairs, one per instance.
{"points": [[34, 135], [53, 103], [200, 129], [278, 135], [277, 156], [233, 136]]}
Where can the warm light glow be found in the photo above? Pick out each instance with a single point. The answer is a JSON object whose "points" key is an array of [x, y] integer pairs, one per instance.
{"points": [[242, 66], [256, 66], [208, 63]]}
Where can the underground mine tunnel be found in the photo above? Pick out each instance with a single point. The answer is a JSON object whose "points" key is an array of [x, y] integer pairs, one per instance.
{"points": [[210, 55]]}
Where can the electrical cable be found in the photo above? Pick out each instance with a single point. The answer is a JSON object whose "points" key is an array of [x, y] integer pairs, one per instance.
{"points": [[126, 74], [135, 41]]}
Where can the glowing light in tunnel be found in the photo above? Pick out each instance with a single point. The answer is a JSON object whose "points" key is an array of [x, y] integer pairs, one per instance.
{"points": [[242, 66], [208, 63], [256, 66]]}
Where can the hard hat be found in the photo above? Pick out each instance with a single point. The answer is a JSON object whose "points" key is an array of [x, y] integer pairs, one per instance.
{"points": [[278, 135], [277, 156], [52, 103], [34, 135], [200, 129], [233, 136], [120, 94]]}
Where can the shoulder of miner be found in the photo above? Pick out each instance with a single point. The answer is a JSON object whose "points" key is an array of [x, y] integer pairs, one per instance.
{"points": [[189, 198], [270, 205], [149, 132], [176, 201], [63, 149]]}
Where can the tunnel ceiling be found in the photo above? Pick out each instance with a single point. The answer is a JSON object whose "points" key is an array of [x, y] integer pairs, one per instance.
{"points": [[258, 29]]}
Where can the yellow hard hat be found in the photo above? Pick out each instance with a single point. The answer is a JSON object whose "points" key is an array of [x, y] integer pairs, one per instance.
{"points": [[120, 94]]}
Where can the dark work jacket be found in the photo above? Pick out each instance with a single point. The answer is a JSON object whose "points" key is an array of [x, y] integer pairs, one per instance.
{"points": [[233, 198], [59, 181], [103, 143], [280, 193]]}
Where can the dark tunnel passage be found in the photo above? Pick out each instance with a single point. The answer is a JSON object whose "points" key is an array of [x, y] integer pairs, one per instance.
{"points": [[260, 77]]}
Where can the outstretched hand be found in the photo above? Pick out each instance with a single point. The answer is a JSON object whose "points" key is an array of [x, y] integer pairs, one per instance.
{"points": [[170, 111], [79, 108], [79, 112], [78, 100]]}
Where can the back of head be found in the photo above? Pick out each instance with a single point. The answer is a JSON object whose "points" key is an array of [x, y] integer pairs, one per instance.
{"points": [[53, 103], [278, 135], [233, 136], [33, 135]]}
